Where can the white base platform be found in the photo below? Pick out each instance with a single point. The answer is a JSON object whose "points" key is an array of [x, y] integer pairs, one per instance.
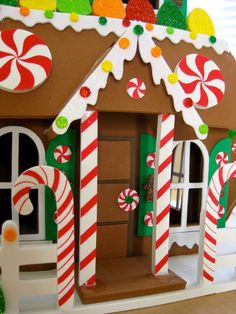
{"points": [[184, 266]]}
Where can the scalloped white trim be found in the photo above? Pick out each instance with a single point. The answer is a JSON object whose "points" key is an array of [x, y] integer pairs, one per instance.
{"points": [[97, 80], [188, 239], [62, 20]]}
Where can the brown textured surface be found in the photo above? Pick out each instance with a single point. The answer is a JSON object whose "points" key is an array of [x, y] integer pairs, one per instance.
{"points": [[108, 209], [212, 304], [127, 277], [113, 160], [112, 240], [72, 60]]}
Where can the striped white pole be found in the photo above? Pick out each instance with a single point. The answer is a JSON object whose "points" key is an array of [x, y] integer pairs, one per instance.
{"points": [[88, 199], [220, 177], [161, 195]]}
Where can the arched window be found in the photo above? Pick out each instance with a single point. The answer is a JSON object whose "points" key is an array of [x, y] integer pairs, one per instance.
{"points": [[189, 185], [21, 149]]}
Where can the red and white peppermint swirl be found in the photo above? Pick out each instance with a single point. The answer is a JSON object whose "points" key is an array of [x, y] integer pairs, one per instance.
{"points": [[136, 88], [25, 60], [150, 160], [128, 200], [221, 159], [62, 154], [234, 148], [148, 219], [201, 80], [58, 182]]}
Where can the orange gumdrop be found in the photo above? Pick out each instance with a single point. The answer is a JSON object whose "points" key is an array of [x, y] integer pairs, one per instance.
{"points": [[108, 8], [140, 10], [10, 234]]}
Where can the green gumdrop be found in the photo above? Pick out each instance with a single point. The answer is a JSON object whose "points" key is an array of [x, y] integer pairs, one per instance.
{"points": [[12, 3], [2, 302], [84, 7], [78, 6], [170, 14]]}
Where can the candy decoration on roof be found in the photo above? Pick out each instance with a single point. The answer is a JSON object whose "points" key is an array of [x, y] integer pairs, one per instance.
{"points": [[198, 21], [136, 88], [170, 14], [108, 8], [222, 159], [201, 80], [39, 5], [25, 60], [128, 200], [140, 10], [2, 302], [57, 181], [74, 6], [12, 3], [62, 154]]}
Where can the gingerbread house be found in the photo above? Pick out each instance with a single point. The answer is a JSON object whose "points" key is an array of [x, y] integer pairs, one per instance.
{"points": [[125, 122]]}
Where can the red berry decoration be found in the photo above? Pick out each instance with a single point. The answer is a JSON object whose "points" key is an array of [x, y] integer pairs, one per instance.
{"points": [[126, 22], [140, 10], [188, 103], [85, 92]]}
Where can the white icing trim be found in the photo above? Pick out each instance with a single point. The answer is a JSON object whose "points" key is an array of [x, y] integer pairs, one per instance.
{"points": [[61, 20], [161, 70], [188, 239], [77, 105]]}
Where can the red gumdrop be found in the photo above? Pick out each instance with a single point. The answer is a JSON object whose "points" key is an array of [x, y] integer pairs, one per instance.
{"points": [[140, 10]]}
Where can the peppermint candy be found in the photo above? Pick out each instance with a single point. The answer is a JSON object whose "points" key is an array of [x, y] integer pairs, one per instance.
{"points": [[25, 60], [136, 88], [128, 200]]}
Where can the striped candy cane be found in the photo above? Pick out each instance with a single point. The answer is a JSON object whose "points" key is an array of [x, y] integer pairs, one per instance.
{"points": [[88, 199], [220, 177], [161, 195], [58, 182]]}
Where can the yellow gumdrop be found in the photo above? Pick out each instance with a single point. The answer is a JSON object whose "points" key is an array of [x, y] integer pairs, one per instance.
{"points": [[198, 21], [39, 5]]}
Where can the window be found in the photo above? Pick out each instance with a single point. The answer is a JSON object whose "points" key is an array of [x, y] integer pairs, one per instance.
{"points": [[21, 149], [189, 184]]}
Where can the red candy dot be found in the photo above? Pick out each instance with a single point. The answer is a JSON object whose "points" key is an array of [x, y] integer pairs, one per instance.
{"points": [[126, 22], [188, 103], [85, 92]]}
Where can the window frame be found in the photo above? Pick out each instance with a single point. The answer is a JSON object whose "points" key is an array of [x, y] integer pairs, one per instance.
{"points": [[16, 131], [186, 185]]}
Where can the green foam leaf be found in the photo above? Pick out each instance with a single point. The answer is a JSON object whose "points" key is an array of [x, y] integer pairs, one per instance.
{"points": [[12, 3], [2, 302]]}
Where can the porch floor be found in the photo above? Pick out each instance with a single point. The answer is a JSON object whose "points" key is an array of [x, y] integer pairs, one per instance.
{"points": [[126, 277]]}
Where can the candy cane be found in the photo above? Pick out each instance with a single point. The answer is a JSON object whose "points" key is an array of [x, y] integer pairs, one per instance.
{"points": [[58, 182], [220, 177], [88, 200], [161, 207]]}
